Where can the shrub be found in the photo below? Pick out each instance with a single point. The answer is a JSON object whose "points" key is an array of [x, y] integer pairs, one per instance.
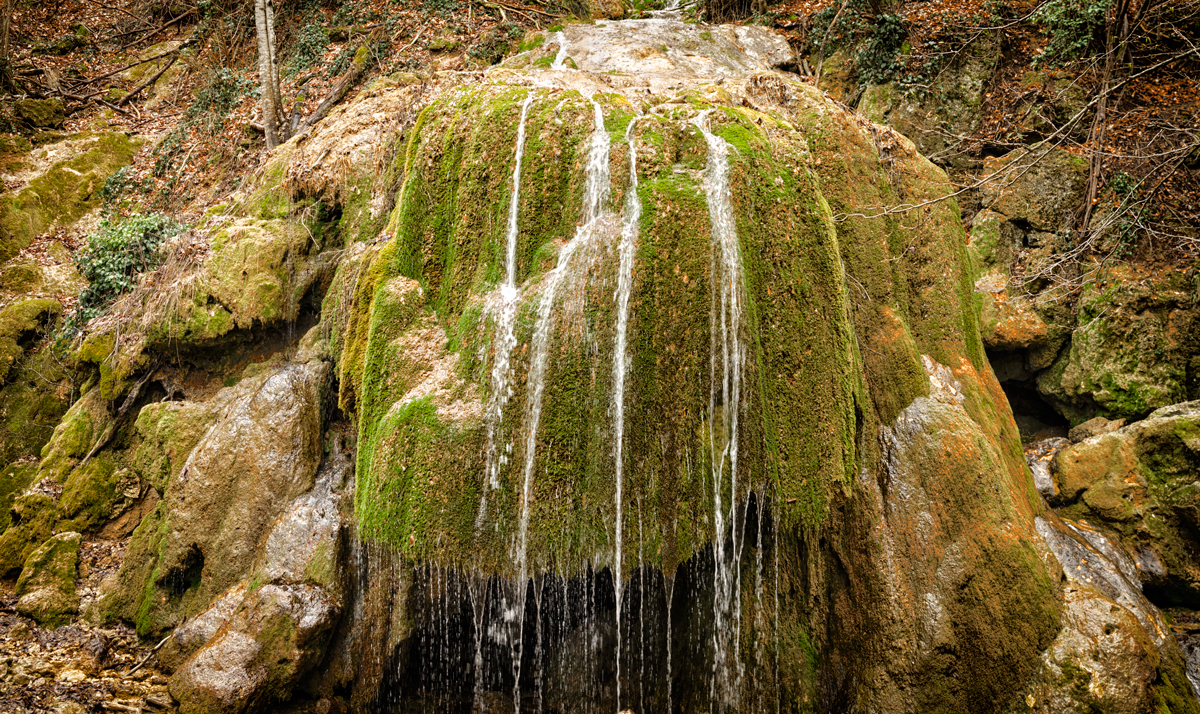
{"points": [[876, 61], [306, 51], [1073, 27], [115, 255], [217, 99]]}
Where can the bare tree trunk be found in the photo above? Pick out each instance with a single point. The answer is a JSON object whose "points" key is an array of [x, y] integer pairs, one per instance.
{"points": [[267, 74], [6, 73]]}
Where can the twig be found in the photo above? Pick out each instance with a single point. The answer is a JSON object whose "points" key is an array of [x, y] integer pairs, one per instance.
{"points": [[148, 82], [522, 9], [160, 116], [106, 75], [150, 654], [152, 34]]}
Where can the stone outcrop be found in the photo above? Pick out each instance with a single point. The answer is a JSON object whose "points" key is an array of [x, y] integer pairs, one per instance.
{"points": [[1140, 481], [46, 588]]}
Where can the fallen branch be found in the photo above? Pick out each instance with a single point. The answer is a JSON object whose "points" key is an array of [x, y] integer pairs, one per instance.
{"points": [[152, 34], [521, 9], [148, 82], [106, 75], [150, 654], [357, 67]]}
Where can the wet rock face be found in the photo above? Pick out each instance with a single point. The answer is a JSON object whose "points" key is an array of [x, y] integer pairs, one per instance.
{"points": [[260, 454], [276, 635], [1140, 481], [255, 642], [903, 445], [1114, 643]]}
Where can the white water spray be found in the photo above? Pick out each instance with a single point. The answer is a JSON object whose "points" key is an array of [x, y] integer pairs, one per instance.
{"points": [[506, 339], [726, 355], [598, 187], [561, 56], [626, 251]]}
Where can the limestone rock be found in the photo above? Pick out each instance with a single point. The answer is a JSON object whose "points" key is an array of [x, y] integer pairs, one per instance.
{"points": [[274, 637], [1115, 652], [260, 454], [46, 587], [1038, 190], [1133, 348], [32, 521], [1140, 481], [197, 631], [1094, 427], [952, 105]]}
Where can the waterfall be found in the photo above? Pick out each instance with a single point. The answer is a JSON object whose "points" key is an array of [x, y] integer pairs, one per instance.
{"points": [[626, 251], [725, 374], [561, 56], [505, 337], [598, 186]]}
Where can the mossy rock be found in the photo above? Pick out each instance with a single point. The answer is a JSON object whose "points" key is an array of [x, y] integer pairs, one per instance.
{"points": [[19, 323], [32, 521], [14, 479], [1130, 350], [33, 403], [40, 113], [46, 588], [64, 192]]}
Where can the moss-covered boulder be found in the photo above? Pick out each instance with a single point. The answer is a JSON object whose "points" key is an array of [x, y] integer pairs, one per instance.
{"points": [[1134, 349], [20, 324], [1140, 482], [14, 479], [40, 113], [949, 107], [62, 192], [46, 588], [31, 522], [866, 411]]}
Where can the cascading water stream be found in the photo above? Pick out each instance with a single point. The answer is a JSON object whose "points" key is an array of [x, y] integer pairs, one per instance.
{"points": [[726, 353], [561, 56], [598, 187], [626, 251], [505, 336]]}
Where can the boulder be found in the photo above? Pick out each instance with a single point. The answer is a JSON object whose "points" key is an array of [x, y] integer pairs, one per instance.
{"points": [[32, 520], [1134, 346], [46, 588], [952, 105], [1140, 482], [203, 537], [1094, 427], [40, 113], [274, 637], [1115, 652]]}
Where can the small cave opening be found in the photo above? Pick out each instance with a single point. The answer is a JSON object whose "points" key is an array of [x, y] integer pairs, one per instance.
{"points": [[1036, 419]]}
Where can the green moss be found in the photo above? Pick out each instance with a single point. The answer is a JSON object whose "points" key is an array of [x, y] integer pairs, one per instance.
{"points": [[14, 479], [33, 517], [167, 432], [89, 494], [18, 323], [46, 586], [63, 193]]}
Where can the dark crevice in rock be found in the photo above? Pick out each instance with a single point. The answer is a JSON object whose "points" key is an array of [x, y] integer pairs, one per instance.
{"points": [[185, 575]]}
